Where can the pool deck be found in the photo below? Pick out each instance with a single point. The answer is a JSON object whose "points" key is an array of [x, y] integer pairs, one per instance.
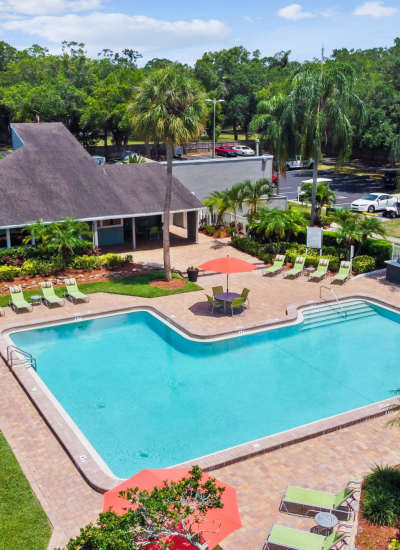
{"points": [[327, 461]]}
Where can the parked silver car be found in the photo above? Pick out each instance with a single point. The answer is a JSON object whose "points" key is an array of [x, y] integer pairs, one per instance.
{"points": [[244, 151]]}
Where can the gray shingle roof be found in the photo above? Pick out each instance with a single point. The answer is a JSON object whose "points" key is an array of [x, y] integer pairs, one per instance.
{"points": [[53, 176]]}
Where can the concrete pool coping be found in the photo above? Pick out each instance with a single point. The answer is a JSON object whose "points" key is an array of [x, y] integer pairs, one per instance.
{"points": [[88, 461]]}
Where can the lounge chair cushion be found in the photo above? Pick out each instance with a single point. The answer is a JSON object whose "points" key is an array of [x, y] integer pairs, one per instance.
{"points": [[343, 495], [319, 499], [295, 538]]}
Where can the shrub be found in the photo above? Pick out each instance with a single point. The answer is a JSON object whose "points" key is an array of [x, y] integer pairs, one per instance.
{"points": [[363, 264], [209, 230], [114, 260], [13, 256], [33, 267], [381, 504], [380, 509], [394, 545], [8, 272], [378, 249], [87, 263], [246, 245]]}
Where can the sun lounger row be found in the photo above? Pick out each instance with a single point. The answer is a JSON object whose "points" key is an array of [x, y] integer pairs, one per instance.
{"points": [[48, 296], [298, 266], [300, 501]]}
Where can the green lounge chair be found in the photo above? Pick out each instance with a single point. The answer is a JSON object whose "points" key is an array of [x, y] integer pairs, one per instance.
{"points": [[321, 270], [49, 296], [237, 304], [296, 539], [214, 304], [277, 266], [344, 273], [297, 269], [17, 299], [73, 293], [300, 502]]}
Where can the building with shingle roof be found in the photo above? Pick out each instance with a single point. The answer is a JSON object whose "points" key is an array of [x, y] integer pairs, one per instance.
{"points": [[49, 176]]}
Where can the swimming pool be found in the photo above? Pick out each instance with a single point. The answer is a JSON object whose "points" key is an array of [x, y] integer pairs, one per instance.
{"points": [[147, 397]]}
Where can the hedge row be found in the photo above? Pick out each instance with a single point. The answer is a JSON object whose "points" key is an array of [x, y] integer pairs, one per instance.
{"points": [[18, 255]]}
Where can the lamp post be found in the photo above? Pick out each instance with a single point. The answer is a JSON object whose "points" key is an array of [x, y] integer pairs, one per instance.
{"points": [[214, 102]]}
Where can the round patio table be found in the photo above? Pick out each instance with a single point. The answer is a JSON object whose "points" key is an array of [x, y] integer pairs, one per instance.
{"points": [[36, 300], [326, 520], [226, 297]]}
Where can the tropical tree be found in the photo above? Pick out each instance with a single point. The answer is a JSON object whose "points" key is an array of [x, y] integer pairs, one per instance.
{"points": [[176, 509], [169, 107], [323, 195], [254, 191], [277, 224], [218, 202], [236, 196]]}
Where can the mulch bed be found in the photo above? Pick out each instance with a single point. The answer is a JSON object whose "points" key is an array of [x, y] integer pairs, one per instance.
{"points": [[103, 274], [168, 285], [373, 537]]}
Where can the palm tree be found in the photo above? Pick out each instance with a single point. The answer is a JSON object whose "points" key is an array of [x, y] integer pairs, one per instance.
{"points": [[253, 193], [169, 107], [278, 223], [236, 196], [65, 236], [350, 231], [36, 233], [218, 202], [323, 195]]}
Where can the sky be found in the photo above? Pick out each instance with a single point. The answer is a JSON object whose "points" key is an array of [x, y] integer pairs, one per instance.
{"points": [[183, 30]]}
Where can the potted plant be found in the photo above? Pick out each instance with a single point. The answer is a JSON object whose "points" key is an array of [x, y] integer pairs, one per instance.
{"points": [[192, 273]]}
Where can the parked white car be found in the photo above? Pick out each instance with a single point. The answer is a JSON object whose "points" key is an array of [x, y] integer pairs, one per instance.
{"points": [[299, 162], [244, 151], [373, 202]]}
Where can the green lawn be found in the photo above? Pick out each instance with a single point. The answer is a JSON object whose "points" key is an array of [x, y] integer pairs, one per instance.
{"points": [[300, 208], [392, 228], [136, 285], [23, 524]]}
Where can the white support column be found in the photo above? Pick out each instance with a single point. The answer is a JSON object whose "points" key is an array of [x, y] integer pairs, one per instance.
{"points": [[95, 234], [8, 238], [133, 234]]}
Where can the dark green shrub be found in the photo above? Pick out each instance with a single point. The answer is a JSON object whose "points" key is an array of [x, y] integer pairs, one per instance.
{"points": [[246, 245], [114, 260], [87, 263], [381, 504], [380, 509], [379, 250], [8, 272], [266, 257], [13, 256], [209, 230], [363, 264]]}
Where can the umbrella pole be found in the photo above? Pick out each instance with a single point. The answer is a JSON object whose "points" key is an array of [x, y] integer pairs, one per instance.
{"points": [[227, 283]]}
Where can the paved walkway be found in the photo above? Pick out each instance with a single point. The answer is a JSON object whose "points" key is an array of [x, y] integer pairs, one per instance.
{"points": [[326, 462]]}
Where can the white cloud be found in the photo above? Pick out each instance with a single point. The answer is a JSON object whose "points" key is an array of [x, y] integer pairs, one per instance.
{"points": [[118, 30], [250, 19], [294, 12], [375, 9], [329, 12], [38, 7]]}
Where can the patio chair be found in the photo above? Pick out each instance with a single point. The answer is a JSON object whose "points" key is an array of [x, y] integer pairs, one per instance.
{"points": [[217, 290], [245, 296], [343, 274], [299, 502], [73, 293], [49, 296], [17, 299], [214, 304], [297, 269], [277, 265], [287, 537], [321, 270], [154, 233], [237, 304]]}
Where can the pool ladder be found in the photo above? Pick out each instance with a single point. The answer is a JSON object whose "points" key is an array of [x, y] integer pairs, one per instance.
{"points": [[343, 312], [19, 357]]}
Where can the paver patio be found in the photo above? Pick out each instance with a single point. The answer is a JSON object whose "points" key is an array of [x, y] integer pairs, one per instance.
{"points": [[326, 462]]}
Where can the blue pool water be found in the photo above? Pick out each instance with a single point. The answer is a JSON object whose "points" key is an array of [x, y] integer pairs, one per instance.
{"points": [[146, 397]]}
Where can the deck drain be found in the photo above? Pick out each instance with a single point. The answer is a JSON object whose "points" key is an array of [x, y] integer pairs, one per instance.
{"points": [[101, 405], [83, 458], [144, 455]]}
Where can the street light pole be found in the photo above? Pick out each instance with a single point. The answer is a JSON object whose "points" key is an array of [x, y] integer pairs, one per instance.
{"points": [[214, 102]]}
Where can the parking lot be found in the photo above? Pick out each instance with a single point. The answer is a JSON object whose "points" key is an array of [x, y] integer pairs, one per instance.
{"points": [[348, 187]]}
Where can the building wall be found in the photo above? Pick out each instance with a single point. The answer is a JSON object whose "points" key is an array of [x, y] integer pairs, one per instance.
{"points": [[202, 177], [111, 235]]}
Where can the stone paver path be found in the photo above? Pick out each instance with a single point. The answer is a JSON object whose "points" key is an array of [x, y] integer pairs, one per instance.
{"points": [[324, 462]]}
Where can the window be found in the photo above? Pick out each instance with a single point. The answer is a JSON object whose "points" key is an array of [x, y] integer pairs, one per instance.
{"points": [[118, 222], [3, 238]]}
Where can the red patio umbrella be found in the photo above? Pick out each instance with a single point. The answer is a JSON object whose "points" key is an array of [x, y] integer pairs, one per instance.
{"points": [[218, 523], [227, 265]]}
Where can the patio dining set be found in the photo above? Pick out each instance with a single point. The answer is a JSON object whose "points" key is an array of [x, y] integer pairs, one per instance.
{"points": [[228, 302]]}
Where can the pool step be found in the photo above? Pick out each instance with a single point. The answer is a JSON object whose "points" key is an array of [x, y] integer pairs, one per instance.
{"points": [[329, 314]]}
